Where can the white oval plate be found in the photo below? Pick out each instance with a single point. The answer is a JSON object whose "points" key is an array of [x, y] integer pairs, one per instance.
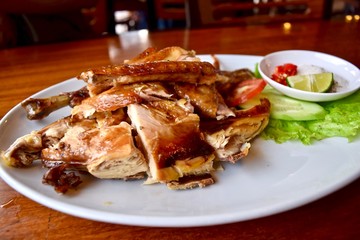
{"points": [[346, 74], [273, 178]]}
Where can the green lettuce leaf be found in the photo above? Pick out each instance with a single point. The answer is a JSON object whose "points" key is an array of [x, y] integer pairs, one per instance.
{"points": [[342, 120]]}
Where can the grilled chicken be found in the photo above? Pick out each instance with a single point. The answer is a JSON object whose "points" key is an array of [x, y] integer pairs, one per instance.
{"points": [[206, 100], [230, 137], [28, 148], [40, 108], [168, 64], [106, 152], [171, 140], [121, 96], [161, 115], [173, 53], [101, 79]]}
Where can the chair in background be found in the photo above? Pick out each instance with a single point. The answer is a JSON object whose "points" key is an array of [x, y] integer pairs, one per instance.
{"points": [[207, 13], [343, 8], [170, 12], [135, 10], [28, 22], [170, 9]]}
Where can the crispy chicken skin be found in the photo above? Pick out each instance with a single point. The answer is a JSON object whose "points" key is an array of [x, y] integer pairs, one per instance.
{"points": [[230, 137], [103, 78], [121, 96], [162, 115], [205, 98], [173, 53], [171, 140]]}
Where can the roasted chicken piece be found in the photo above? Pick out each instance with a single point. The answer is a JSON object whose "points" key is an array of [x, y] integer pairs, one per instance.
{"points": [[101, 79], [231, 79], [228, 86], [206, 100], [28, 148], [24, 150], [171, 140], [163, 114], [173, 53], [39, 108], [168, 64], [121, 96], [230, 137], [106, 152], [193, 181], [61, 178]]}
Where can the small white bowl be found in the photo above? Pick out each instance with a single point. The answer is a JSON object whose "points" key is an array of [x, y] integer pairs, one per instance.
{"points": [[346, 75]]}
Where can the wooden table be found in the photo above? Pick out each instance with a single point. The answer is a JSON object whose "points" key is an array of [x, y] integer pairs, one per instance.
{"points": [[27, 70]]}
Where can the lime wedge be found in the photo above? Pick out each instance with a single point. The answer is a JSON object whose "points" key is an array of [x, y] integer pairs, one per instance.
{"points": [[320, 82]]}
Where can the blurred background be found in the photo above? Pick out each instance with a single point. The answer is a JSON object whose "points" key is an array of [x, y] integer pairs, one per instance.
{"points": [[28, 22]]}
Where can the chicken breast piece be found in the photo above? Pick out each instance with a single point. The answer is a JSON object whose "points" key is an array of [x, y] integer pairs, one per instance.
{"points": [[121, 158], [171, 141], [106, 152]]}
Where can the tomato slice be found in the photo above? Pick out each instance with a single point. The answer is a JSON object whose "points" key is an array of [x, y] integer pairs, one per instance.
{"points": [[283, 71], [246, 90]]}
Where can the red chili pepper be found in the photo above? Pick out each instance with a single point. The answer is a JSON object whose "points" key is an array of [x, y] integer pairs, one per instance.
{"points": [[283, 71]]}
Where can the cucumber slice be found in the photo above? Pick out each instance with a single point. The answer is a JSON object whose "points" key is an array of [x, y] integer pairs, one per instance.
{"points": [[256, 71], [286, 108]]}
